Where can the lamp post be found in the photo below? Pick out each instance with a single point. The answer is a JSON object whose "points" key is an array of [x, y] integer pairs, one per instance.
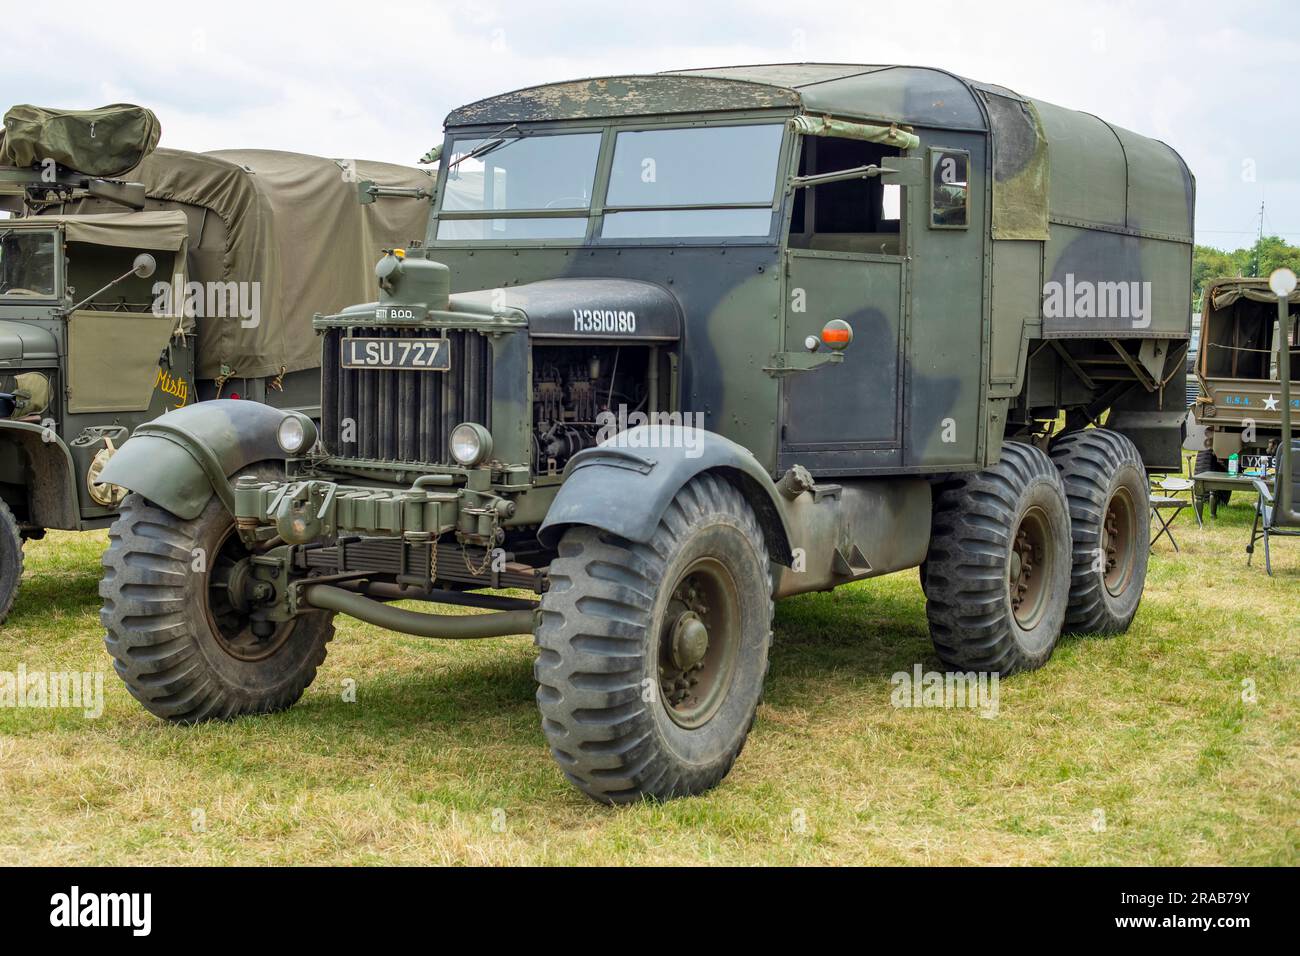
{"points": [[1283, 283]]}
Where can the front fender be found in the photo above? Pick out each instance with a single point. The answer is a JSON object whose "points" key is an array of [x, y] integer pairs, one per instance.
{"points": [[624, 486], [52, 488], [181, 459]]}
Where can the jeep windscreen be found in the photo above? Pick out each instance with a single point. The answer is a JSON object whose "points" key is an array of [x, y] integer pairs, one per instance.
{"points": [[27, 263], [527, 187]]}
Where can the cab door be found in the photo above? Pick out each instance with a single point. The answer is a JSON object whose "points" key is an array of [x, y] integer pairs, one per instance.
{"points": [[844, 418], [845, 258]]}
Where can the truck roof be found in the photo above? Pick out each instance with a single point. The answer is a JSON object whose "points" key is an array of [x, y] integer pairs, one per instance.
{"points": [[894, 93], [1223, 292]]}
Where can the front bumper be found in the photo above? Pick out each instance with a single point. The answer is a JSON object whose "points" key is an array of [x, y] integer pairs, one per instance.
{"points": [[420, 536]]}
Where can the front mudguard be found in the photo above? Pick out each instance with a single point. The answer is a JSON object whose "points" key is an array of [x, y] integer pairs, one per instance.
{"points": [[180, 460], [625, 485], [52, 473]]}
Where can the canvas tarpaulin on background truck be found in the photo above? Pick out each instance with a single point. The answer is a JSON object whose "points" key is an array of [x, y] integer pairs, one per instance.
{"points": [[102, 142], [291, 223]]}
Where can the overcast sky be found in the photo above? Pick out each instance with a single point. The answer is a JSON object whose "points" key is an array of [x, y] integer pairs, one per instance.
{"points": [[375, 80]]}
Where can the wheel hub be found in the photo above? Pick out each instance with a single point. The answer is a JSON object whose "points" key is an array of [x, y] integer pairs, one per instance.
{"points": [[698, 643], [690, 641], [1118, 537], [232, 597], [1026, 570]]}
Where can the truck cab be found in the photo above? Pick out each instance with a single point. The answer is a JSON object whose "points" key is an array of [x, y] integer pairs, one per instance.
{"points": [[83, 342]]}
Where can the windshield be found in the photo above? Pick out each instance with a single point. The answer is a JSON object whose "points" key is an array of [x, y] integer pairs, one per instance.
{"points": [[525, 174], [658, 173], [694, 182], [27, 263]]}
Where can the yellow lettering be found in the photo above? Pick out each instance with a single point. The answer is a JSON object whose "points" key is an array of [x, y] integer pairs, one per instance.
{"points": [[172, 385]]}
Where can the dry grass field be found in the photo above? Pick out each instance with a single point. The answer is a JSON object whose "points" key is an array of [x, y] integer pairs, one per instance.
{"points": [[1177, 743]]}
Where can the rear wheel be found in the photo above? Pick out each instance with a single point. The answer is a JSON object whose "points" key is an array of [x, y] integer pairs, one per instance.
{"points": [[178, 630], [998, 568], [1110, 525], [11, 560], [652, 657]]}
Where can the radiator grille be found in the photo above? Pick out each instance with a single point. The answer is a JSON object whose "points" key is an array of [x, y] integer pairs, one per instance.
{"points": [[403, 416]]}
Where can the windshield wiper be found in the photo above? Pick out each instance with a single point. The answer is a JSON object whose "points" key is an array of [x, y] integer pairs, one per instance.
{"points": [[482, 149]]}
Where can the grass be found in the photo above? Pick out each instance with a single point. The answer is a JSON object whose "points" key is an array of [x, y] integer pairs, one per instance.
{"points": [[440, 759]]}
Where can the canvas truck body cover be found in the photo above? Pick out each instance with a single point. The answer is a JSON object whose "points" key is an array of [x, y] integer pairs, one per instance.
{"points": [[289, 222]]}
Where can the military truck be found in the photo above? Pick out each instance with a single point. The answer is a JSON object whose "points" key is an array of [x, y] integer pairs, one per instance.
{"points": [[181, 280], [679, 345], [1237, 409]]}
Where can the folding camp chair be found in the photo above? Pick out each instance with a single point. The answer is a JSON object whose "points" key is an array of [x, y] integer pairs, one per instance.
{"points": [[1271, 520], [1167, 502]]}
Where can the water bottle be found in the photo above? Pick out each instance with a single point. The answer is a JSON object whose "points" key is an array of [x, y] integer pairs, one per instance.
{"points": [[1233, 461]]}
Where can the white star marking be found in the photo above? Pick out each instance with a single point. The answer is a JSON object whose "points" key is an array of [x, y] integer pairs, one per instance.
{"points": [[1270, 404]]}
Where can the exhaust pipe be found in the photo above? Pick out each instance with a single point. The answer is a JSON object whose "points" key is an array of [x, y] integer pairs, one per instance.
{"points": [[456, 627]]}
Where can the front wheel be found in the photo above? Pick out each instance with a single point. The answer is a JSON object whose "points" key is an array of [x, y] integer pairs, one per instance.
{"points": [[652, 656], [183, 647]]}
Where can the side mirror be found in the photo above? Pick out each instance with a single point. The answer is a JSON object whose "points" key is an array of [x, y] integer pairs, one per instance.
{"points": [[144, 265]]}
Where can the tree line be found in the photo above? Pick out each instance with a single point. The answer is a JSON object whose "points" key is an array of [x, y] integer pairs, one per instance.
{"points": [[1258, 259]]}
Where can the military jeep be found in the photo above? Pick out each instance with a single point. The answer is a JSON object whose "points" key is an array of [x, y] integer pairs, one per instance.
{"points": [[677, 346], [1238, 410]]}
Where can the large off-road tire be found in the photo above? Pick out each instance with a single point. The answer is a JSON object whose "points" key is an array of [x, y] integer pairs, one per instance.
{"points": [[1110, 525], [629, 707], [11, 560], [998, 568], [181, 648], [1207, 461]]}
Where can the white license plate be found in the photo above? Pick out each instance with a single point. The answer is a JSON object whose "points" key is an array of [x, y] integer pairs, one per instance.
{"points": [[415, 355]]}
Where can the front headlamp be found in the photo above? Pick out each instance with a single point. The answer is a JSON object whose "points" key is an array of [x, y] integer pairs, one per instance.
{"points": [[470, 444], [296, 434]]}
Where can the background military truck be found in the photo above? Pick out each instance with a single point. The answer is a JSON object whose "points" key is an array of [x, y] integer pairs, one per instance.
{"points": [[1237, 410], [677, 345], [87, 351]]}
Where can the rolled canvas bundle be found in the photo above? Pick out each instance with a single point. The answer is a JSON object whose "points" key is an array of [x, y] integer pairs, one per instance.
{"points": [[102, 142]]}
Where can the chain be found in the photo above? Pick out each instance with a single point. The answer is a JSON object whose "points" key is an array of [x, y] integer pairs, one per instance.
{"points": [[481, 569], [433, 562]]}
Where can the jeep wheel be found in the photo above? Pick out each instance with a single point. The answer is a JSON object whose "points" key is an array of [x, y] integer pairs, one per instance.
{"points": [[1206, 461], [652, 657], [1110, 524], [998, 567], [11, 560], [184, 649]]}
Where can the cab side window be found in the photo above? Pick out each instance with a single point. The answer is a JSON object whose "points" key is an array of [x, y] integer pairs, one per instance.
{"points": [[949, 189], [852, 215]]}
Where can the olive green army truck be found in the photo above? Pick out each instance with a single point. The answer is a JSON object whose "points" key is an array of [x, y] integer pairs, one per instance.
{"points": [[677, 346], [157, 279], [1238, 409]]}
